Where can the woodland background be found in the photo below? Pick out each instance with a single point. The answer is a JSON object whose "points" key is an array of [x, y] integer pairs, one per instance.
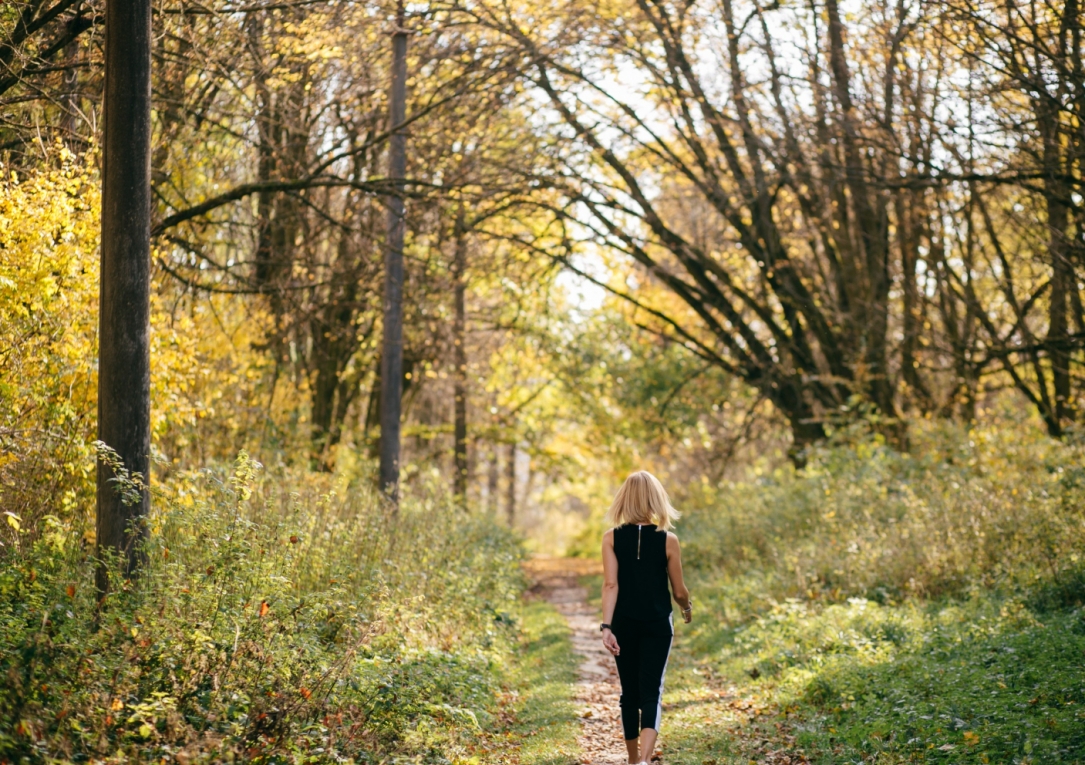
{"points": [[817, 265]]}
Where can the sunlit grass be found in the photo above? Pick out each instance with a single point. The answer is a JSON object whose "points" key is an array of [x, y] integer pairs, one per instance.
{"points": [[545, 674]]}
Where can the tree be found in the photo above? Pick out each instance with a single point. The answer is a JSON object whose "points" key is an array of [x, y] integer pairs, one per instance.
{"points": [[459, 360], [392, 343], [124, 374], [1025, 68], [791, 173], [39, 33]]}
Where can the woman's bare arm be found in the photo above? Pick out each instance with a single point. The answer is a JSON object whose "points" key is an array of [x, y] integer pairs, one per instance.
{"points": [[674, 571], [610, 589]]}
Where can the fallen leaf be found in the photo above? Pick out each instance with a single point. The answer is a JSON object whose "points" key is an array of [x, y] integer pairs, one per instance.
{"points": [[263, 608]]}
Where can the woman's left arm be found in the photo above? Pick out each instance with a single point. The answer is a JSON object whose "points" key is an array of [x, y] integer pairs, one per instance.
{"points": [[674, 571], [610, 590]]}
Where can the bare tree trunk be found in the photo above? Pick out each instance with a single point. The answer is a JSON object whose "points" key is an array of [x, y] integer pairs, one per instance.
{"points": [[1058, 325], [491, 481], [910, 319], [392, 346], [124, 370], [459, 352], [872, 224], [510, 486], [69, 101], [1057, 197]]}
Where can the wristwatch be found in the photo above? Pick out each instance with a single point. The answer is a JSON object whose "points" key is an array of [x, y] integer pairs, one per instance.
{"points": [[604, 626]]}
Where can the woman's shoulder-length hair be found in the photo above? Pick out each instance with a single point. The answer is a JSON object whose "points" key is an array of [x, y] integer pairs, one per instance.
{"points": [[642, 499]]}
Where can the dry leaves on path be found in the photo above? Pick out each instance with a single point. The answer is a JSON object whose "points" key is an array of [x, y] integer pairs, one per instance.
{"points": [[597, 690]]}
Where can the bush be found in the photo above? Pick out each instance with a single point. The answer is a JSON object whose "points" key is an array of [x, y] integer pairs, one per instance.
{"points": [[266, 624]]}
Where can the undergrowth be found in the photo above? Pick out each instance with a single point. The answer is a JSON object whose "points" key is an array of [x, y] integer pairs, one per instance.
{"points": [[888, 607], [268, 625]]}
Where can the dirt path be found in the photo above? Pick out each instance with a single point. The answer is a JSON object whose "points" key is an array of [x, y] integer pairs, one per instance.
{"points": [[557, 580]]}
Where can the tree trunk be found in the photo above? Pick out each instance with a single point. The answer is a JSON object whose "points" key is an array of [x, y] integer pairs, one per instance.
{"points": [[1057, 196], [459, 353], [124, 370], [911, 309], [334, 332], [392, 346], [491, 481], [510, 485], [873, 225]]}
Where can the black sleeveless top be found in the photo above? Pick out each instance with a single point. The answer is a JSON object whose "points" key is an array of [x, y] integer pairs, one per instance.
{"points": [[643, 593]]}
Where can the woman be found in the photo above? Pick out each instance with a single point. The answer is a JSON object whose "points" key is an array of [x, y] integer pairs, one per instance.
{"points": [[640, 554]]}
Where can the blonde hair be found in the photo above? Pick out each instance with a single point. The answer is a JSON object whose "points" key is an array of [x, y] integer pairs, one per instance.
{"points": [[642, 499]]}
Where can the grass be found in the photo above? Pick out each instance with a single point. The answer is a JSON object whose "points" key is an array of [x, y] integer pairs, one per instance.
{"points": [[986, 680], [979, 681], [545, 722]]}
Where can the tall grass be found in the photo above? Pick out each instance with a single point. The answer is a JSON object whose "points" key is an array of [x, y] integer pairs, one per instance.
{"points": [[999, 506], [273, 622]]}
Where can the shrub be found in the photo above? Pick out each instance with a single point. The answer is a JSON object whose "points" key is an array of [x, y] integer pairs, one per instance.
{"points": [[267, 624]]}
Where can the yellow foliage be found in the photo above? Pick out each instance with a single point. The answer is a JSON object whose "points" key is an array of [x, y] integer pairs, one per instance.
{"points": [[48, 305], [49, 263]]}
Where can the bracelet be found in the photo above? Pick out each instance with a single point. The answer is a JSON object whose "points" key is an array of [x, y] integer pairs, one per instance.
{"points": [[687, 610]]}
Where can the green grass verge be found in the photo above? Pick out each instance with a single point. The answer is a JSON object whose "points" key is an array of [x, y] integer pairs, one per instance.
{"points": [[544, 676], [979, 681], [985, 680]]}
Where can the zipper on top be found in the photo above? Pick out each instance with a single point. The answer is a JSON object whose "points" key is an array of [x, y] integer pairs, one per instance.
{"points": [[638, 541]]}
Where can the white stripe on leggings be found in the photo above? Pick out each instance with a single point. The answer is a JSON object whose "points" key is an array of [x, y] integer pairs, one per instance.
{"points": [[659, 707]]}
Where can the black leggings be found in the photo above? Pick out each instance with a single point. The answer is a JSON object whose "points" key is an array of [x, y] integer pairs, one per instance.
{"points": [[644, 647]]}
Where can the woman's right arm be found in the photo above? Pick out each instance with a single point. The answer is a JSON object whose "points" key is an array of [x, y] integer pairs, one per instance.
{"points": [[674, 570], [610, 589]]}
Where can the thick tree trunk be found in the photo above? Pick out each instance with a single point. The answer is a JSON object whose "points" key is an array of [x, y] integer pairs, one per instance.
{"points": [[873, 225], [124, 372], [392, 346], [1057, 198], [911, 308], [806, 428], [459, 354]]}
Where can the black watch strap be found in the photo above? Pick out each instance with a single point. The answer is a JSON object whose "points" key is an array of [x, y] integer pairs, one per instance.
{"points": [[604, 626]]}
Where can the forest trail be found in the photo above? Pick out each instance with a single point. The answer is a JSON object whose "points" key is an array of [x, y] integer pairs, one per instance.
{"points": [[557, 581]]}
